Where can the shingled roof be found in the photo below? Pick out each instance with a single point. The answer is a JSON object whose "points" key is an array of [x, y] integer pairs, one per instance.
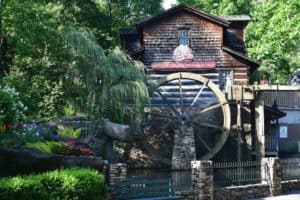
{"points": [[230, 18], [175, 9]]}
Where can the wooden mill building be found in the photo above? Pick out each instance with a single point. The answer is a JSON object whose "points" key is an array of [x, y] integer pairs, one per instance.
{"points": [[184, 39], [217, 44]]}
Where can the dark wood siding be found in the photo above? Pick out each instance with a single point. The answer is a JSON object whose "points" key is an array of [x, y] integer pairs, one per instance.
{"points": [[206, 39]]}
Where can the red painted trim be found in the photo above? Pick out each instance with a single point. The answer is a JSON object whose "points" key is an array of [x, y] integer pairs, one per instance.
{"points": [[183, 65]]}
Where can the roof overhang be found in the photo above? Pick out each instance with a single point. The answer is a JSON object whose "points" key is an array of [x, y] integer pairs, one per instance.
{"points": [[175, 9], [253, 64], [272, 113]]}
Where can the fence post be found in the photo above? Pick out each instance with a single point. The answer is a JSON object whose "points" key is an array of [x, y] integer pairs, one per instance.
{"points": [[271, 174], [116, 173], [202, 180]]}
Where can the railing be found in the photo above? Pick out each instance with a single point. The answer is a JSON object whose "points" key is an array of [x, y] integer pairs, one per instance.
{"points": [[271, 143], [139, 189], [236, 173], [290, 169], [289, 146], [181, 180]]}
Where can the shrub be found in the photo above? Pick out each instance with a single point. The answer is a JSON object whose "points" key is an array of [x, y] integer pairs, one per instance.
{"points": [[46, 146], [69, 132], [75, 151], [18, 137], [11, 108], [68, 184]]}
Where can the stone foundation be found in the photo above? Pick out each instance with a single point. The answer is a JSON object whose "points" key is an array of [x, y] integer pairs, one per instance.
{"points": [[290, 185], [242, 192], [184, 150], [202, 180], [271, 174], [116, 173]]}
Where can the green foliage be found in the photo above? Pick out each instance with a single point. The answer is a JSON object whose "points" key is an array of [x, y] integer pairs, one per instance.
{"points": [[40, 58], [221, 7], [69, 132], [11, 108], [69, 110], [273, 38], [46, 146], [68, 184], [75, 151], [116, 84], [18, 137]]}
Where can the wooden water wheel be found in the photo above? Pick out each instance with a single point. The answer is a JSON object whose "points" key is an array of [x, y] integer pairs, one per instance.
{"points": [[188, 100]]}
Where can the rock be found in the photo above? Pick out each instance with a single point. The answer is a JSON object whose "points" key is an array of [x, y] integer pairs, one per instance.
{"points": [[19, 160]]}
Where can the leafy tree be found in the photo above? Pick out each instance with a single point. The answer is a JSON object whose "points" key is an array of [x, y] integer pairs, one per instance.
{"points": [[125, 13], [115, 83], [39, 55], [273, 38], [221, 7]]}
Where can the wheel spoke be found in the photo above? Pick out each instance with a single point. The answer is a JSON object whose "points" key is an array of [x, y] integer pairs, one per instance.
{"points": [[163, 116], [198, 95], [173, 110], [212, 107], [209, 125], [180, 93], [205, 144]]}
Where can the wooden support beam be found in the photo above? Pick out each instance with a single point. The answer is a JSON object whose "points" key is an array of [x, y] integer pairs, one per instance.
{"points": [[260, 127]]}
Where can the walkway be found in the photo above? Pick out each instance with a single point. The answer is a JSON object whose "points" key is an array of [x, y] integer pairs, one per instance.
{"points": [[294, 195]]}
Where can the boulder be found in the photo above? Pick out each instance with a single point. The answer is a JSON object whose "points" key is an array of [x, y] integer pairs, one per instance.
{"points": [[19, 160]]}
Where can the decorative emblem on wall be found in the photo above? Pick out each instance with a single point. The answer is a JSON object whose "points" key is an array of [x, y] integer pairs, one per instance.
{"points": [[183, 53]]}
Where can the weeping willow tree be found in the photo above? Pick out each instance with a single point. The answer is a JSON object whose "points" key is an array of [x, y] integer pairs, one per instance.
{"points": [[116, 84]]}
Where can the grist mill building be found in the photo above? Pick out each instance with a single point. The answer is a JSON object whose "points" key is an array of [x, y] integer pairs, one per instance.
{"points": [[192, 117]]}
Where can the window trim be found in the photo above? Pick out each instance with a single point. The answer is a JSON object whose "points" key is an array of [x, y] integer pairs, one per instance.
{"points": [[186, 38]]}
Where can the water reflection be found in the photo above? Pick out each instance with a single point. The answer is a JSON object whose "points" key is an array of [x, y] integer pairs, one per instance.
{"points": [[181, 179]]}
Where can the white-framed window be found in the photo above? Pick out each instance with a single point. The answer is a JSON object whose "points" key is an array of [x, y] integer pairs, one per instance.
{"points": [[225, 77], [183, 35]]}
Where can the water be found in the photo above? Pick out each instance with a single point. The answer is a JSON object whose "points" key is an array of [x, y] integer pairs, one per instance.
{"points": [[181, 179]]}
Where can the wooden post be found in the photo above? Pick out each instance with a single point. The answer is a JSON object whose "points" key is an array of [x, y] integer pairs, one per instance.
{"points": [[239, 130], [260, 127]]}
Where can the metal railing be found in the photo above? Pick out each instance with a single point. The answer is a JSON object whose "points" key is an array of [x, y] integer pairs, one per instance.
{"points": [[290, 169], [289, 146], [271, 143], [181, 179], [237, 173], [141, 189]]}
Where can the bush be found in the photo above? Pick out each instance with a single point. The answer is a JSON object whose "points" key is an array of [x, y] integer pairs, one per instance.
{"points": [[18, 137], [68, 184], [46, 146], [75, 151], [69, 132], [11, 108]]}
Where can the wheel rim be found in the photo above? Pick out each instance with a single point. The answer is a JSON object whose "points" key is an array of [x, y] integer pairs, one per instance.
{"points": [[181, 112]]}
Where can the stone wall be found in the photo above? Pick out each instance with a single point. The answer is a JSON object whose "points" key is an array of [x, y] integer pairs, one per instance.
{"points": [[116, 173], [271, 174], [202, 180], [184, 150], [290, 185], [242, 192], [203, 185]]}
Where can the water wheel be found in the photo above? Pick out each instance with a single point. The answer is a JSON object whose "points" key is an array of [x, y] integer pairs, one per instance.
{"points": [[190, 102]]}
